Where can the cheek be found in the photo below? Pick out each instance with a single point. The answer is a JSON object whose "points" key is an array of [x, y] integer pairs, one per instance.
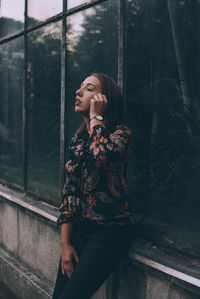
{"points": [[87, 103]]}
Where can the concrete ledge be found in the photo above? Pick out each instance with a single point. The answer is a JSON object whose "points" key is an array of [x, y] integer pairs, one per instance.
{"points": [[32, 238], [166, 269], [39, 207], [182, 268], [21, 281]]}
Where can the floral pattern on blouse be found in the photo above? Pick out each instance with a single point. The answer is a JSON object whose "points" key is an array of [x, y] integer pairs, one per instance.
{"points": [[96, 181]]}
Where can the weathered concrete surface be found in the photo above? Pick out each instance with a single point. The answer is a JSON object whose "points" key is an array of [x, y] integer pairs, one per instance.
{"points": [[25, 284], [38, 244], [31, 238], [21, 280], [5, 293], [133, 281], [29, 252], [126, 282], [9, 226]]}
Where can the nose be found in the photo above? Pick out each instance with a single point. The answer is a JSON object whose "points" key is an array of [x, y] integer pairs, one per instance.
{"points": [[79, 92]]}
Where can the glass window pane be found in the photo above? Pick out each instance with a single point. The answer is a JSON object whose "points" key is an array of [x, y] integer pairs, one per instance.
{"points": [[92, 43], [163, 71], [11, 74], [74, 3], [11, 17], [41, 10], [44, 111]]}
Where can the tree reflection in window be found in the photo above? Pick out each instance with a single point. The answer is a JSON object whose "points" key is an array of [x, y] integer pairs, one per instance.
{"points": [[11, 17], [43, 120], [163, 111], [11, 74]]}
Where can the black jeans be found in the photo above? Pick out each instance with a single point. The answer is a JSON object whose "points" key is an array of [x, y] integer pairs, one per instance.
{"points": [[99, 249]]}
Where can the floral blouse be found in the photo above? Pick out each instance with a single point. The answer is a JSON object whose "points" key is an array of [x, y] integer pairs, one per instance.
{"points": [[96, 182]]}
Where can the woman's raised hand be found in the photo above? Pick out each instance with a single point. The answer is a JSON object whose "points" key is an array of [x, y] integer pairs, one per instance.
{"points": [[98, 104], [68, 253]]}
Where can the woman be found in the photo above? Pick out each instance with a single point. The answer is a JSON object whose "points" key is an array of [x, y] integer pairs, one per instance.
{"points": [[95, 211]]}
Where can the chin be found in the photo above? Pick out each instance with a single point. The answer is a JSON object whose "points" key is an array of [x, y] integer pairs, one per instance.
{"points": [[81, 110], [77, 109]]}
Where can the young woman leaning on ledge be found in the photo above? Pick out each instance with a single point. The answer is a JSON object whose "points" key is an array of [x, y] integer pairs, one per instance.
{"points": [[95, 212]]}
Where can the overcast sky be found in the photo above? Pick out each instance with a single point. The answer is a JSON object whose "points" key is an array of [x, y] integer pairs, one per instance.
{"points": [[38, 9]]}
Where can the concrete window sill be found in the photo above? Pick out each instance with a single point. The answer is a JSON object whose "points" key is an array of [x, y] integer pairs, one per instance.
{"points": [[179, 268], [141, 252], [39, 207]]}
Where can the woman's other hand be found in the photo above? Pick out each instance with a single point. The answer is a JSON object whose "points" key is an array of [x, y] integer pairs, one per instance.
{"points": [[68, 253], [98, 105]]}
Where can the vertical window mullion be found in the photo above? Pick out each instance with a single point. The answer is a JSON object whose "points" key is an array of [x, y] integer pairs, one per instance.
{"points": [[121, 43], [63, 101], [24, 105]]}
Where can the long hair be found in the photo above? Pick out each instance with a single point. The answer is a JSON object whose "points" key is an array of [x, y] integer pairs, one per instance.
{"points": [[114, 112]]}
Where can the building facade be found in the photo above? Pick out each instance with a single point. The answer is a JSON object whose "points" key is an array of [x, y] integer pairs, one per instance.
{"points": [[151, 48]]}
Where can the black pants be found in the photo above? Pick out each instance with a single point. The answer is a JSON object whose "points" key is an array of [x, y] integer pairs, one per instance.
{"points": [[99, 250]]}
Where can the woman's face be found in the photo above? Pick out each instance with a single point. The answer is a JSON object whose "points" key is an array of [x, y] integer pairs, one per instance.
{"points": [[88, 89]]}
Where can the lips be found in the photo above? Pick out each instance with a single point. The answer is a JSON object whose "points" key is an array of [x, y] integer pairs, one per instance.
{"points": [[77, 102]]}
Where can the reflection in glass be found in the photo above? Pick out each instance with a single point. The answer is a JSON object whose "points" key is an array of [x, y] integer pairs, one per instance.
{"points": [[44, 111], [74, 3], [92, 45], [163, 111], [11, 17], [11, 74], [41, 10]]}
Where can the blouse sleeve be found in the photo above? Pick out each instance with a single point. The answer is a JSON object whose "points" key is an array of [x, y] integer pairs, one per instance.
{"points": [[70, 200], [109, 147]]}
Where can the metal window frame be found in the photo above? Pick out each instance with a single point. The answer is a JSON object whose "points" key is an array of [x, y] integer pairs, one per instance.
{"points": [[63, 99], [24, 107], [121, 43], [58, 17], [63, 113]]}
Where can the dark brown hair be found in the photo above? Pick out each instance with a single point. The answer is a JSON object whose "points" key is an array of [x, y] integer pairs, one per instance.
{"points": [[114, 113]]}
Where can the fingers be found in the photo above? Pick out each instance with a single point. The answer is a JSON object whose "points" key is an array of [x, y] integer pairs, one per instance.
{"points": [[99, 97], [98, 104], [67, 264], [105, 99], [76, 258], [68, 268]]}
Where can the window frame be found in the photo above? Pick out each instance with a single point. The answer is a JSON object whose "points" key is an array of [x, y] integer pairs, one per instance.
{"points": [[24, 33]]}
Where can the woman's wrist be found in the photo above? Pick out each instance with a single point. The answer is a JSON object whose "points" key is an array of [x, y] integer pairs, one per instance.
{"points": [[95, 122], [65, 238], [93, 115], [63, 244], [96, 116]]}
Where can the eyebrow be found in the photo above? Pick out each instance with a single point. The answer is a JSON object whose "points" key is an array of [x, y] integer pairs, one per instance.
{"points": [[89, 84]]}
